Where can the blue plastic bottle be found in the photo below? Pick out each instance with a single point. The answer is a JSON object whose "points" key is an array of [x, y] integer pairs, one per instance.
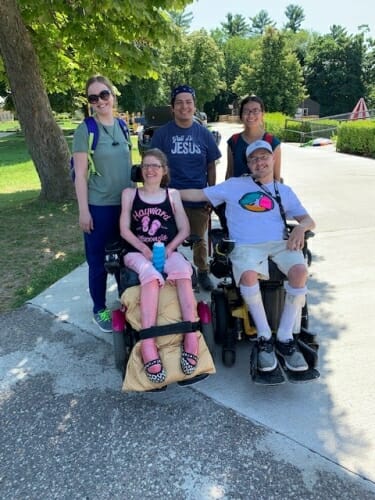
{"points": [[158, 256]]}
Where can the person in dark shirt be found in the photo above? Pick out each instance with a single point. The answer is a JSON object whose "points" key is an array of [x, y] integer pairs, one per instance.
{"points": [[252, 116], [192, 153]]}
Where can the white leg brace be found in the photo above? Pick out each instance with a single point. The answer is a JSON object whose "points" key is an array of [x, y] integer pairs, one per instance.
{"points": [[294, 301]]}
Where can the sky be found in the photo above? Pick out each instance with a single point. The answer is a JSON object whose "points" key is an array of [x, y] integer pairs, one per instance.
{"points": [[319, 14]]}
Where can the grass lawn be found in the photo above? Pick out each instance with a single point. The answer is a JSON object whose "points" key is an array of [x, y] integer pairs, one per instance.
{"points": [[40, 242]]}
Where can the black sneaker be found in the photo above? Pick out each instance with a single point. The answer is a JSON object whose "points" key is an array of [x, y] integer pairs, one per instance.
{"points": [[267, 360], [293, 357], [205, 281]]}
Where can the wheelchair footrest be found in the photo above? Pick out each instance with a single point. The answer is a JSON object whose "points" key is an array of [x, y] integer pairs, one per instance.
{"points": [[309, 350], [298, 377], [310, 353], [275, 377]]}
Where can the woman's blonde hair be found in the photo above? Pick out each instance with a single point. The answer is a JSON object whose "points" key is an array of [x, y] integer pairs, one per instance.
{"points": [[101, 79], [157, 153]]}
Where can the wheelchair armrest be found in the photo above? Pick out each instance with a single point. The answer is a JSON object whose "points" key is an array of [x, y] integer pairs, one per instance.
{"points": [[113, 255], [128, 278], [217, 234], [309, 234], [293, 224], [190, 240]]}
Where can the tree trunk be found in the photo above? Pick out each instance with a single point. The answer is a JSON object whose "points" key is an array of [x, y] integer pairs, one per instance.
{"points": [[44, 138]]}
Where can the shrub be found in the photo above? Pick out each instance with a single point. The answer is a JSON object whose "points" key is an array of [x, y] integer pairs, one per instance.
{"points": [[275, 124], [357, 137]]}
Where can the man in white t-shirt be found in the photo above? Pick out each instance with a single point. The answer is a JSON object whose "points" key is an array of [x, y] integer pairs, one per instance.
{"points": [[256, 210]]}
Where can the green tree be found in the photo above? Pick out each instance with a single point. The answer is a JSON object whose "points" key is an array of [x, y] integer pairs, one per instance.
{"points": [[236, 53], [299, 43], [334, 71], [235, 25], [139, 93], [295, 16], [219, 36], [55, 46], [260, 22], [274, 73], [369, 73], [182, 19], [196, 60], [338, 32]]}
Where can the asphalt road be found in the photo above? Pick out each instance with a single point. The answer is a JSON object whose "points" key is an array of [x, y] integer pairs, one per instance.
{"points": [[68, 432]]}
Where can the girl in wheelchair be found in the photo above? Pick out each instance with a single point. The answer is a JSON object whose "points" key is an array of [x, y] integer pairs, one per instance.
{"points": [[149, 214]]}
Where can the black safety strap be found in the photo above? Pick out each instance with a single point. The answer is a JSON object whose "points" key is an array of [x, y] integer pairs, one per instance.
{"points": [[158, 331]]}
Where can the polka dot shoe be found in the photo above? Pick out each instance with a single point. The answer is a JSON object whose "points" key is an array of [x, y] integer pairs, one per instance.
{"points": [[158, 377]]}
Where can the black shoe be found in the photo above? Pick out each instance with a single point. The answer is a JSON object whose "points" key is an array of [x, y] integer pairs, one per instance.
{"points": [[205, 281], [293, 357]]}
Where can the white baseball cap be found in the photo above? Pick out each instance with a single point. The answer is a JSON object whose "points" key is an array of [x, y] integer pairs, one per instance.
{"points": [[258, 145]]}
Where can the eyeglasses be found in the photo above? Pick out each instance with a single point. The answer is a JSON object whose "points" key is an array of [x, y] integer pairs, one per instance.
{"points": [[153, 166], [255, 112], [255, 159], [104, 95]]}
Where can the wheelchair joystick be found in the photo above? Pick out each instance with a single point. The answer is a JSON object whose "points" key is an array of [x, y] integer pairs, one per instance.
{"points": [[225, 246]]}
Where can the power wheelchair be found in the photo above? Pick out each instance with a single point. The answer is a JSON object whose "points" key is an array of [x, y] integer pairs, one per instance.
{"points": [[127, 331], [126, 335], [232, 322]]}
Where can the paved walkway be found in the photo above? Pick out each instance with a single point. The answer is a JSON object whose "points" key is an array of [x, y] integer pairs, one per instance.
{"points": [[70, 432]]}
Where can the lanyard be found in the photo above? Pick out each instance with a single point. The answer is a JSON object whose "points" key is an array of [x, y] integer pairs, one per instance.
{"points": [[276, 197]]}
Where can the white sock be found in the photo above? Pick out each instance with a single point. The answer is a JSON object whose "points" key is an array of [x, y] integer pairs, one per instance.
{"points": [[253, 299], [294, 301]]}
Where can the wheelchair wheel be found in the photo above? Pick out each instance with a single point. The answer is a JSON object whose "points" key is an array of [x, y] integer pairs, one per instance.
{"points": [[308, 257], [228, 357], [220, 316], [208, 334], [305, 317], [119, 349]]}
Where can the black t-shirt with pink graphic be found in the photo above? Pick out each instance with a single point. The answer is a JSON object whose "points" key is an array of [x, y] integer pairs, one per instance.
{"points": [[152, 222]]}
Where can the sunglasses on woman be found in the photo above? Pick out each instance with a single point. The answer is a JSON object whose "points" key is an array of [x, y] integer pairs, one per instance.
{"points": [[104, 95]]}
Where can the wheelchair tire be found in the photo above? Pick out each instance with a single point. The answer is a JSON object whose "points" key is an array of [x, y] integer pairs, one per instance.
{"points": [[228, 357], [308, 257], [305, 318], [220, 316], [119, 349], [208, 334]]}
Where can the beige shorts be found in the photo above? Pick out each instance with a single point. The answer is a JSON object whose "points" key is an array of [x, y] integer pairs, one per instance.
{"points": [[255, 258]]}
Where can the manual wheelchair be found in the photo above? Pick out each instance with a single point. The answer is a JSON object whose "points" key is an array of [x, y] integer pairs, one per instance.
{"points": [[232, 321]]}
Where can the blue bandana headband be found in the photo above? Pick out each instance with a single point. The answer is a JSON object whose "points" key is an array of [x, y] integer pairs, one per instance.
{"points": [[182, 88]]}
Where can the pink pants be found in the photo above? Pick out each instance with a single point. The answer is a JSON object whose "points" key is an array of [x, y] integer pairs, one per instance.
{"points": [[176, 267]]}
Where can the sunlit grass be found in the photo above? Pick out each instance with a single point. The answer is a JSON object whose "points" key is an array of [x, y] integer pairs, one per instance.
{"points": [[40, 242]]}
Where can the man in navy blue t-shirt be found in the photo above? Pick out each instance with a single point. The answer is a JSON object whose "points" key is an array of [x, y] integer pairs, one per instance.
{"points": [[192, 153]]}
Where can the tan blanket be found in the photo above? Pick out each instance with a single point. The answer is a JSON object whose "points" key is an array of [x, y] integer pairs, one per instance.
{"points": [[169, 346]]}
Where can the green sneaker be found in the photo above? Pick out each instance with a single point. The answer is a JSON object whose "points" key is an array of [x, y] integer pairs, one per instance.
{"points": [[104, 320]]}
